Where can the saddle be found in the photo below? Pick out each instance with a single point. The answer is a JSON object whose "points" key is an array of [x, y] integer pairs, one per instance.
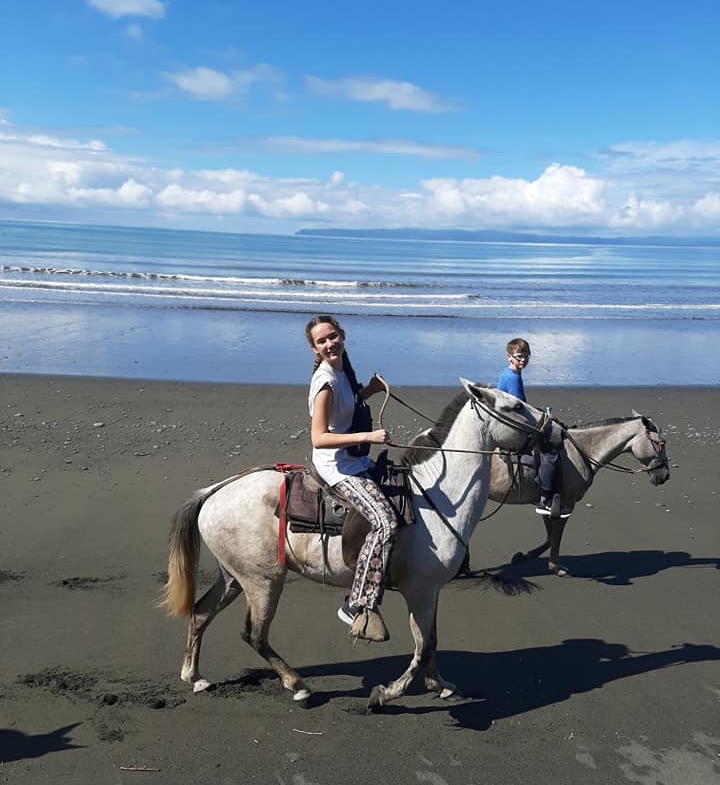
{"points": [[311, 506], [521, 466]]}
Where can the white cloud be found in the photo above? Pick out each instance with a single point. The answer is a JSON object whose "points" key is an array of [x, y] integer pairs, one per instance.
{"points": [[674, 171], [300, 206], [646, 215], [262, 72], [561, 195], [118, 8], [384, 146], [44, 140], [397, 95], [129, 195], [207, 84], [182, 199], [708, 207], [202, 83], [76, 178]]}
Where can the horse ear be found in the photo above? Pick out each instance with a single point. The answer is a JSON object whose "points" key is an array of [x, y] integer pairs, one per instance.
{"points": [[467, 384], [475, 390], [646, 421]]}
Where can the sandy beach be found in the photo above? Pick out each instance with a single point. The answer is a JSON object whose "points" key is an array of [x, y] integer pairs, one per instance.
{"points": [[607, 676]]}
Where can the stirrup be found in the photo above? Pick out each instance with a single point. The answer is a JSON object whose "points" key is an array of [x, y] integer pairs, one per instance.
{"points": [[369, 626]]}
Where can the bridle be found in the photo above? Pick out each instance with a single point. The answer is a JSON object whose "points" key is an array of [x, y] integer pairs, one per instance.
{"points": [[532, 432], [660, 458], [657, 462]]}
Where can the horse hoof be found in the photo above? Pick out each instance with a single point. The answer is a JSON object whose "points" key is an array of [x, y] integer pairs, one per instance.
{"points": [[558, 569], [451, 693], [377, 698], [302, 695], [201, 685], [518, 558]]}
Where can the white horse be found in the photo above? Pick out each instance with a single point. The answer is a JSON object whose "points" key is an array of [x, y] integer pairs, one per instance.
{"points": [[449, 473]]}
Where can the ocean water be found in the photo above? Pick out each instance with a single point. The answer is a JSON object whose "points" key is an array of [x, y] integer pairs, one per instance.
{"points": [[200, 306]]}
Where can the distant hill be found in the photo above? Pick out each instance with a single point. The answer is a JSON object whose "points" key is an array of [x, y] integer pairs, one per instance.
{"points": [[494, 236]]}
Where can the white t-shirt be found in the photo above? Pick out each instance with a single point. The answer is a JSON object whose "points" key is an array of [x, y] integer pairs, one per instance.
{"points": [[335, 463]]}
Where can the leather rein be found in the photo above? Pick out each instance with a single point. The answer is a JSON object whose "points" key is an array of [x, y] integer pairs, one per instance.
{"points": [[658, 447], [532, 432], [655, 463]]}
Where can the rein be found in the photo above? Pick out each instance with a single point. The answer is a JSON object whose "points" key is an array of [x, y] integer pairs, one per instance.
{"points": [[616, 467], [475, 406], [592, 464]]}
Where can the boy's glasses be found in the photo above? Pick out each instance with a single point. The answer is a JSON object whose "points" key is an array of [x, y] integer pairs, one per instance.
{"points": [[520, 357]]}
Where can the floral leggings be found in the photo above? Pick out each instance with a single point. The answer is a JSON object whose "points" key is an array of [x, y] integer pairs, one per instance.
{"points": [[365, 495]]}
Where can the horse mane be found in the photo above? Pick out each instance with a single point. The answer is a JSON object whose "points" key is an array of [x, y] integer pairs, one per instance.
{"points": [[600, 423], [431, 440]]}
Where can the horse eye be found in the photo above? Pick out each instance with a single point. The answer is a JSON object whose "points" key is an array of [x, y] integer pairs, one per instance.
{"points": [[518, 407]]}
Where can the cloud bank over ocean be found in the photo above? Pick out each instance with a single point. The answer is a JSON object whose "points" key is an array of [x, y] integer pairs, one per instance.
{"points": [[280, 117]]}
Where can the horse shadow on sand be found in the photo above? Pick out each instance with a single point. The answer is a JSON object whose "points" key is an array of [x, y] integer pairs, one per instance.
{"points": [[521, 680], [15, 745], [614, 568]]}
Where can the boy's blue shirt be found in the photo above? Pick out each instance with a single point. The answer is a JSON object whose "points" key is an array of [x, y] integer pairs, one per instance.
{"points": [[512, 382]]}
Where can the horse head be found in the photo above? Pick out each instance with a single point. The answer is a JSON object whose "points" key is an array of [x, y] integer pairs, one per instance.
{"points": [[649, 448], [512, 424]]}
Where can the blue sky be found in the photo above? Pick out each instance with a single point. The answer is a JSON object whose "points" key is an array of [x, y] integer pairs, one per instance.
{"points": [[556, 116]]}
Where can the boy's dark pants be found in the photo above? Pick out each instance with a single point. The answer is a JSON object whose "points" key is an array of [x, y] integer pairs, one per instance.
{"points": [[549, 471]]}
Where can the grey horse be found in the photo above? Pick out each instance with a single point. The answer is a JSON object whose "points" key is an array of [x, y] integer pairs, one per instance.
{"points": [[586, 449], [236, 518]]}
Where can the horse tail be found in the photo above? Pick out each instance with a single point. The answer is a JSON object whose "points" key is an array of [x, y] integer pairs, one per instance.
{"points": [[178, 598]]}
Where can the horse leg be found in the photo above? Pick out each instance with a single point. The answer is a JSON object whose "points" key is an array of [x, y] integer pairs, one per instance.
{"points": [[434, 682], [539, 550], [423, 626], [218, 596], [262, 600], [557, 527]]}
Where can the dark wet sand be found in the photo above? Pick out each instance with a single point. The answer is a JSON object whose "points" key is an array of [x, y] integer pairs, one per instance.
{"points": [[609, 676]]}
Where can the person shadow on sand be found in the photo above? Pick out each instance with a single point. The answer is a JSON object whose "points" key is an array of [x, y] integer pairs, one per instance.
{"points": [[15, 745]]}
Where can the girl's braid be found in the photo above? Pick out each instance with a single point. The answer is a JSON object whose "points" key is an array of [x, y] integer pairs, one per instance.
{"points": [[350, 373]]}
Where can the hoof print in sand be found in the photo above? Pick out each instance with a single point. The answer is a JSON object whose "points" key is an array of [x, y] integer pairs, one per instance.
{"points": [[107, 693], [9, 576], [87, 582]]}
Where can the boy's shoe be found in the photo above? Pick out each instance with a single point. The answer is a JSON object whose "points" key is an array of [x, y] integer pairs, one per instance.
{"points": [[550, 507], [347, 613]]}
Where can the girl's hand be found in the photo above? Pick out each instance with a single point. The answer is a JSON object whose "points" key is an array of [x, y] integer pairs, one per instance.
{"points": [[381, 436], [372, 387]]}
